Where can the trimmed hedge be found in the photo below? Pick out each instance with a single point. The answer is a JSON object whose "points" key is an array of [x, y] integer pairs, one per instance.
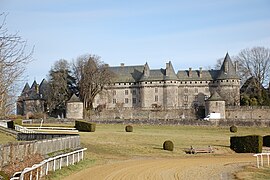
{"points": [[129, 128], [233, 129], [168, 145], [85, 126], [266, 141], [247, 144], [10, 124]]}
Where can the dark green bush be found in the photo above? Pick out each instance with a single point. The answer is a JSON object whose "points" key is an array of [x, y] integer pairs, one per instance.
{"points": [[10, 124], [168, 145], [247, 144], [85, 126], [266, 141], [129, 128], [233, 129]]}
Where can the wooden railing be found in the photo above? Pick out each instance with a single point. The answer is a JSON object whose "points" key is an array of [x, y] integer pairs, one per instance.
{"points": [[39, 170], [260, 161]]}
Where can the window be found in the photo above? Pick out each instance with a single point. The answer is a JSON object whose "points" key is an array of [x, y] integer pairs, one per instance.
{"points": [[196, 98], [126, 100], [205, 97], [114, 92], [185, 98], [126, 92], [186, 90], [134, 100], [114, 101], [134, 92], [196, 90], [156, 98], [156, 90]]}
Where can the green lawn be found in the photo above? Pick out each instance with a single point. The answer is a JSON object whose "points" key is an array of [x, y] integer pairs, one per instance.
{"points": [[112, 143], [4, 138]]}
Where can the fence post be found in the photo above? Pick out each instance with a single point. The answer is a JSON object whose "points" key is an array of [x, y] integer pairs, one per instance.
{"points": [[67, 160], [261, 160], [54, 165], [60, 163], [47, 168], [73, 158]]}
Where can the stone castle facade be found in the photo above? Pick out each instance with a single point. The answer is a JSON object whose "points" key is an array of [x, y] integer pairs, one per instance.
{"points": [[139, 87]]}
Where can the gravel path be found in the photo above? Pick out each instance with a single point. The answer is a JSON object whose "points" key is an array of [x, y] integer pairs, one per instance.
{"points": [[189, 167]]}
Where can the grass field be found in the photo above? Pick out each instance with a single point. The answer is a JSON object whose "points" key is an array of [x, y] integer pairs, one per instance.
{"points": [[111, 143], [4, 138]]}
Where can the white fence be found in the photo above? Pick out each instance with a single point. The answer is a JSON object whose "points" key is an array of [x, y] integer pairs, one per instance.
{"points": [[260, 160], [39, 170]]}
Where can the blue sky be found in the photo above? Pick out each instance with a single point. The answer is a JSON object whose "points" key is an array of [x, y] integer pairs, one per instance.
{"points": [[188, 33]]}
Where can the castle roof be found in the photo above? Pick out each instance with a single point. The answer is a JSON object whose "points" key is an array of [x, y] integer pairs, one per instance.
{"points": [[74, 98], [227, 70], [215, 97], [185, 75], [127, 73], [26, 89]]}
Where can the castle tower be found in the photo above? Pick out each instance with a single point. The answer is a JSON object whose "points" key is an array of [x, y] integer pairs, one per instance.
{"points": [[228, 83], [170, 92], [74, 108], [215, 104]]}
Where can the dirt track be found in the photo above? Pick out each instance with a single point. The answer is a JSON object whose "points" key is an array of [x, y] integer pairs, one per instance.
{"points": [[189, 167]]}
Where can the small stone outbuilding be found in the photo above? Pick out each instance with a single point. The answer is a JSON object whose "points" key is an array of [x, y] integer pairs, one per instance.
{"points": [[215, 104], [74, 108]]}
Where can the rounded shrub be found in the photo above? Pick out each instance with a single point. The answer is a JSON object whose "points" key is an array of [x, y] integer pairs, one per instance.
{"points": [[129, 128], [233, 129], [168, 145]]}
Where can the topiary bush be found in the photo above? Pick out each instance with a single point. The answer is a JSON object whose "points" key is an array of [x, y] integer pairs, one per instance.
{"points": [[266, 141], [233, 129], [129, 128], [85, 126], [247, 144], [168, 145], [10, 124]]}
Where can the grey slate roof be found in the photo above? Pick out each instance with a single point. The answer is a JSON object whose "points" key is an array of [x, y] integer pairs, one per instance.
{"points": [[127, 73], [74, 98], [206, 75], [227, 70], [215, 97]]}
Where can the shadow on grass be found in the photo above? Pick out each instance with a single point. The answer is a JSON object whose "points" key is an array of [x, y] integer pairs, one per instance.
{"points": [[160, 148]]}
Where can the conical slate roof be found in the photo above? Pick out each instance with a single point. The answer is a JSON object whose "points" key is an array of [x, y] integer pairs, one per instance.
{"points": [[215, 97], [227, 70], [26, 88], [74, 98]]}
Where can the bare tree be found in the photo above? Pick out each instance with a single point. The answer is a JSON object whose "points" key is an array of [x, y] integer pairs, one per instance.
{"points": [[92, 76], [13, 61], [255, 62]]}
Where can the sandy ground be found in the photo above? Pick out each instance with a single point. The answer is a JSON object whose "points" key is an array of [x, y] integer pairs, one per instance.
{"points": [[188, 167]]}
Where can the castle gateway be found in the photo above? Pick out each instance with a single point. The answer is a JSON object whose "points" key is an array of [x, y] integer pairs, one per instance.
{"points": [[145, 88]]}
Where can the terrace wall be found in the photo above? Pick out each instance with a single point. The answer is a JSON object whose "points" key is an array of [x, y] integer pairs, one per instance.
{"points": [[12, 151]]}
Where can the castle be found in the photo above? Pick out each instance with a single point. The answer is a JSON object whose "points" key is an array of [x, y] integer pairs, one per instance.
{"points": [[145, 88], [139, 87]]}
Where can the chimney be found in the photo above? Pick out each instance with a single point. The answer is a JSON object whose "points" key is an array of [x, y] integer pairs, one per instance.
{"points": [[236, 66], [200, 72], [122, 64], [189, 72]]}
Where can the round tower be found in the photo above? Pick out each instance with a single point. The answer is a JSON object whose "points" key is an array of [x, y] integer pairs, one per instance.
{"points": [[215, 104], [228, 83]]}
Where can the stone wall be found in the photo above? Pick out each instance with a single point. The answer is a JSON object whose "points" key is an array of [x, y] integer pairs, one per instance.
{"points": [[12, 151], [74, 110], [248, 112], [138, 114]]}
